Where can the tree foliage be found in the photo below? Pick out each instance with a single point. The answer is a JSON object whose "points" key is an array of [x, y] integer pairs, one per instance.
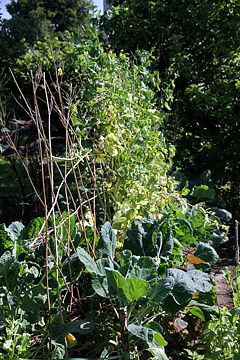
{"points": [[34, 20], [60, 15], [197, 43]]}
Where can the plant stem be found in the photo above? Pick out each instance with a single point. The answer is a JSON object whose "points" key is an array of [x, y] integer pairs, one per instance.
{"points": [[124, 331], [141, 314], [131, 308]]}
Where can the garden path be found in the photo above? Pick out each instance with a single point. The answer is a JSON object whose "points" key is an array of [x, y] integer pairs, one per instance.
{"points": [[227, 258]]}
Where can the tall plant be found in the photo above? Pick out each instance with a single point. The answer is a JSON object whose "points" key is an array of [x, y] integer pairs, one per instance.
{"points": [[113, 115]]}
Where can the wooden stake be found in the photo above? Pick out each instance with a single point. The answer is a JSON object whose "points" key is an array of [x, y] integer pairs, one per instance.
{"points": [[236, 240]]}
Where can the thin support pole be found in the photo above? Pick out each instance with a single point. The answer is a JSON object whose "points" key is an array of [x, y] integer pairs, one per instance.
{"points": [[237, 243]]}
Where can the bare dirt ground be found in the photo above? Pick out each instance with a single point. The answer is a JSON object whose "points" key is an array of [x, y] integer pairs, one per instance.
{"points": [[227, 258]]}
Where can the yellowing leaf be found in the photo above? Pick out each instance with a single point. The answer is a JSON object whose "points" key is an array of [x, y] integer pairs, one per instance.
{"points": [[196, 295], [71, 340], [198, 324], [179, 267], [192, 259], [192, 249]]}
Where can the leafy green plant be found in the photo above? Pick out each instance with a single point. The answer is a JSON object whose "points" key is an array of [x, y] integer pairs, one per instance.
{"points": [[136, 288], [233, 280], [23, 295], [112, 120], [122, 121], [220, 338], [16, 344]]}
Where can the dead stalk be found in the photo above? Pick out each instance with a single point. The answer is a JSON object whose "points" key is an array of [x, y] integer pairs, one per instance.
{"points": [[58, 180]]}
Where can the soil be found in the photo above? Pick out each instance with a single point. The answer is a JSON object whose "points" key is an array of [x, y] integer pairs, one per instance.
{"points": [[227, 259]]}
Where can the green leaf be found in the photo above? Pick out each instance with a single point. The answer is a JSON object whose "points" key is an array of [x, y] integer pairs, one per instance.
{"points": [[182, 231], [159, 290], [86, 259], [181, 178], [7, 344], [14, 230], [6, 243], [196, 311], [30, 273], [58, 350], [118, 286], [100, 286], [224, 215], [168, 242], [206, 253], [80, 240], [206, 309], [137, 288], [107, 241], [147, 334], [125, 262], [35, 298], [9, 268], [237, 356], [80, 327], [205, 179], [158, 352], [235, 311], [217, 239], [119, 222], [76, 267], [126, 257], [33, 228], [100, 282], [154, 325], [144, 268], [69, 225], [144, 238], [203, 192], [104, 263], [201, 280], [183, 288]]}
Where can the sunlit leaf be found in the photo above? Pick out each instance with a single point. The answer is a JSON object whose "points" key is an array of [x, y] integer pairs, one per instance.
{"points": [[137, 288], [107, 242], [87, 260], [118, 286], [147, 334]]}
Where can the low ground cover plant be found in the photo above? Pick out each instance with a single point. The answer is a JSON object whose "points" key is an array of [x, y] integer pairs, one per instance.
{"points": [[220, 336]]}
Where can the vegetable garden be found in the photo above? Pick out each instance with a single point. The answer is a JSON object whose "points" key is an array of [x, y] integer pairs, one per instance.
{"points": [[110, 251]]}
